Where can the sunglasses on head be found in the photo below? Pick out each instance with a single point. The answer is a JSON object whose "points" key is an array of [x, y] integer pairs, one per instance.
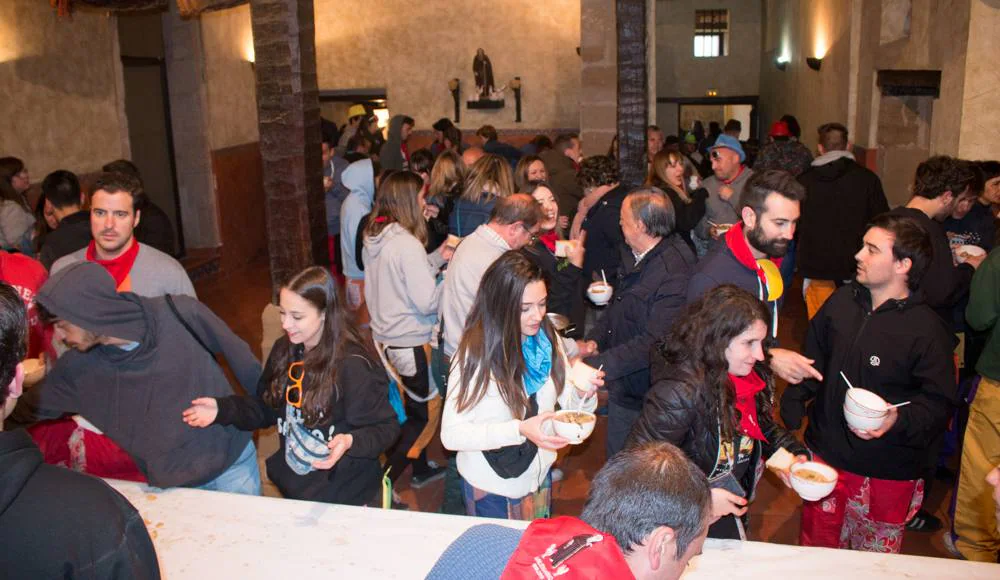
{"points": [[715, 154], [293, 394]]}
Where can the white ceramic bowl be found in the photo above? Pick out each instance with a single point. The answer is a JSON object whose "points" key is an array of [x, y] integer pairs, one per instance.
{"points": [[969, 250], [575, 433], [865, 403], [600, 293], [813, 490], [862, 423]]}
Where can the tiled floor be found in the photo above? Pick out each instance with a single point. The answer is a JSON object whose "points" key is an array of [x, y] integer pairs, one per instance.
{"points": [[240, 297]]}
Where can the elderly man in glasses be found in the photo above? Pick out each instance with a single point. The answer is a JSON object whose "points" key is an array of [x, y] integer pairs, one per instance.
{"points": [[134, 365], [725, 188]]}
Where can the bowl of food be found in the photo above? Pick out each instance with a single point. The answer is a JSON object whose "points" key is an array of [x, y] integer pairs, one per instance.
{"points": [[861, 422], [574, 426], [600, 293], [865, 403], [813, 480], [962, 253], [34, 370]]}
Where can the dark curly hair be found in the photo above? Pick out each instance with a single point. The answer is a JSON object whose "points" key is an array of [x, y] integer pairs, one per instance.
{"points": [[695, 349], [598, 170], [941, 174]]}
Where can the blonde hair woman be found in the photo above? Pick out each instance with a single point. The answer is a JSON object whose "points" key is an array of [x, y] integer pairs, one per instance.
{"points": [[488, 178]]}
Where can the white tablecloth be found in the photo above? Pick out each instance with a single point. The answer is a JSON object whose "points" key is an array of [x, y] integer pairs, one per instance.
{"points": [[201, 534]]}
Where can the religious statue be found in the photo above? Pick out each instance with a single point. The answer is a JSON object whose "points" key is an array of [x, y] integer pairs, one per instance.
{"points": [[483, 71]]}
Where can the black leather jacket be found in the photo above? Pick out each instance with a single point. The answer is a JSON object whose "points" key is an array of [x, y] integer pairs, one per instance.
{"points": [[676, 411]]}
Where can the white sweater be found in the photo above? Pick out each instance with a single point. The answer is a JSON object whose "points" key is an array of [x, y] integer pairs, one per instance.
{"points": [[491, 425]]}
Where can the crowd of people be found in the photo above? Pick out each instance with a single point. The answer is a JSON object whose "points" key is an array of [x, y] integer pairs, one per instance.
{"points": [[460, 303]]}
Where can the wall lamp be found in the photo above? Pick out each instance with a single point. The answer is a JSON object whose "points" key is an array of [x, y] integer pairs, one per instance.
{"points": [[453, 86], [814, 63], [781, 62], [516, 85]]}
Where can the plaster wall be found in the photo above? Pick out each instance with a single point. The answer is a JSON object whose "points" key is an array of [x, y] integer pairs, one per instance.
{"points": [[60, 86], [412, 49], [680, 74], [229, 77], [981, 116]]}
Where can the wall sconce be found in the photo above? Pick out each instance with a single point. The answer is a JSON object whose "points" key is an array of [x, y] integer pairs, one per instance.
{"points": [[516, 85], [814, 63], [711, 93], [453, 86], [781, 63]]}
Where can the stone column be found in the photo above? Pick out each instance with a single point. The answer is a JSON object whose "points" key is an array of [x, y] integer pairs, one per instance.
{"points": [[185, 61], [599, 75], [633, 92], [289, 119]]}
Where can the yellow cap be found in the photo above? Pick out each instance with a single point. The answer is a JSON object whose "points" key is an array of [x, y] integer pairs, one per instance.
{"points": [[356, 111]]}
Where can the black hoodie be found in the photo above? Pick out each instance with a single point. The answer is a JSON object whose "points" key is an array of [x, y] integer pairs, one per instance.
{"points": [[842, 197], [902, 351], [56, 523], [136, 397]]}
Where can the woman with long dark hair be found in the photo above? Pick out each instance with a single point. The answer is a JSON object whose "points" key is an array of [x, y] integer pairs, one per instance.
{"points": [[324, 387], [17, 222], [672, 174], [506, 377], [403, 300], [712, 396]]}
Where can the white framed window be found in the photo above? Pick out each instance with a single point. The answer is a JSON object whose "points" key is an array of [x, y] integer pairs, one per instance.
{"points": [[711, 33]]}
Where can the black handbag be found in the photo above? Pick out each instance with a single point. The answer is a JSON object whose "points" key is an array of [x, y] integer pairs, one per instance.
{"points": [[513, 460]]}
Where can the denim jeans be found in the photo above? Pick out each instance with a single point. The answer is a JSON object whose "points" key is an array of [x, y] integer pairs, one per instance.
{"points": [[243, 476]]}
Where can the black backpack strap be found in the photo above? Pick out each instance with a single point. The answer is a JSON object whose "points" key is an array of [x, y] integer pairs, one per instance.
{"points": [[173, 308]]}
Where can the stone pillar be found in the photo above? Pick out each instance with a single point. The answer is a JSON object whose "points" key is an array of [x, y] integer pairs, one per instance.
{"points": [[633, 95], [288, 115], [599, 75], [189, 123]]}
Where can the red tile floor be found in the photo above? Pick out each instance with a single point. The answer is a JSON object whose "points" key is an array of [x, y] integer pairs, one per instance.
{"points": [[239, 297]]}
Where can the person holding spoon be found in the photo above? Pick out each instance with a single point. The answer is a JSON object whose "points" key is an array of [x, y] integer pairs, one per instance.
{"points": [[506, 377], [712, 396], [881, 334]]}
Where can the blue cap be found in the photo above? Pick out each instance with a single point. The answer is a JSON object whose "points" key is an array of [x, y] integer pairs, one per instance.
{"points": [[730, 143]]}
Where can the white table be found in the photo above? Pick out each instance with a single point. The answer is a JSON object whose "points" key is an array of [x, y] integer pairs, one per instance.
{"points": [[201, 534]]}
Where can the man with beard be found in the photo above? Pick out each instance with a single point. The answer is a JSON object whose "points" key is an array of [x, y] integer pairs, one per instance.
{"points": [[752, 253]]}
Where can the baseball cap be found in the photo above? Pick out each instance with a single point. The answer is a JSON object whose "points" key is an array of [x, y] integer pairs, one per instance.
{"points": [[356, 111], [779, 129], [729, 143]]}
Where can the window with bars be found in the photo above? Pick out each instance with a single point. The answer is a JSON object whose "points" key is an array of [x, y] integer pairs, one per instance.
{"points": [[711, 33]]}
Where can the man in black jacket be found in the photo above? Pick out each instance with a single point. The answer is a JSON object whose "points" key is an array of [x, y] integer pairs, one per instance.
{"points": [[881, 335], [62, 194], [841, 199], [56, 523], [649, 291], [599, 213]]}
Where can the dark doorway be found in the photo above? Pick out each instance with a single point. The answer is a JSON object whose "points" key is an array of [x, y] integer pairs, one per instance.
{"points": [[147, 109]]}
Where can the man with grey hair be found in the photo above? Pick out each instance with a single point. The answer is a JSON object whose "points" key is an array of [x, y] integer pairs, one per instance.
{"points": [[649, 290], [646, 516]]}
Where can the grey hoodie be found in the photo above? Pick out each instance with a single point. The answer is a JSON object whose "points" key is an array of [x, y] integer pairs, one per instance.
{"points": [[400, 289], [391, 155], [359, 178], [137, 396]]}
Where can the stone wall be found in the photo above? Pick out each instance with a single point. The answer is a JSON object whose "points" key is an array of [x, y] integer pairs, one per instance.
{"points": [[60, 85], [412, 49], [229, 77], [598, 75], [981, 116]]}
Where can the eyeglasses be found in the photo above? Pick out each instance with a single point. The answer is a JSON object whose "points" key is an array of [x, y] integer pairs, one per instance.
{"points": [[534, 235], [293, 394]]}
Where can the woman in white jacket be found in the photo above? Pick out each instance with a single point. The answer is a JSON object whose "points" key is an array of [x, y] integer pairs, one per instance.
{"points": [[403, 298], [506, 377]]}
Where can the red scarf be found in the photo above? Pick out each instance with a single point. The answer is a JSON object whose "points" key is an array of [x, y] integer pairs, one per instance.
{"points": [[735, 177], [549, 240], [741, 249], [746, 403], [119, 267]]}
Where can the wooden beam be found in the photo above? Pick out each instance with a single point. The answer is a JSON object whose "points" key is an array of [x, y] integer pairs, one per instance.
{"points": [[633, 92], [289, 121]]}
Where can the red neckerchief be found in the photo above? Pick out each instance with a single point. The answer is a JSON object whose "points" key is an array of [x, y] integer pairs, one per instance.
{"points": [[741, 249], [735, 177], [406, 152], [119, 267], [549, 240], [746, 403]]}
